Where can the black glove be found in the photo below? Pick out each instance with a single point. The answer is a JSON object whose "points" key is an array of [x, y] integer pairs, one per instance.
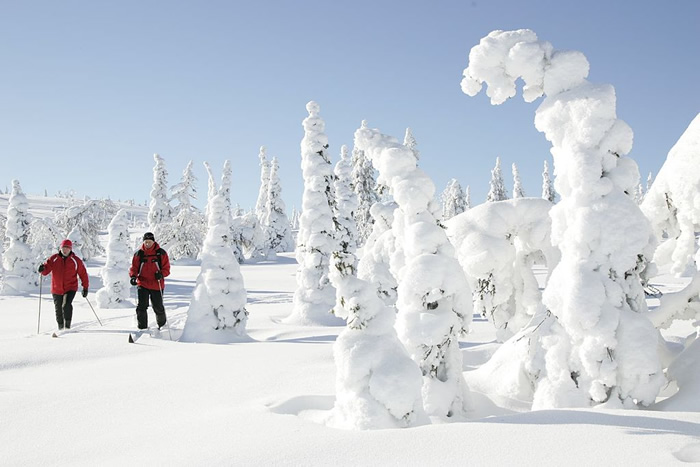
{"points": [[159, 275], [133, 280], [41, 268], [84, 291]]}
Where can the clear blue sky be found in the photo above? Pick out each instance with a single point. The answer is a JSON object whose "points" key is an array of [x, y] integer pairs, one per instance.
{"points": [[89, 90]]}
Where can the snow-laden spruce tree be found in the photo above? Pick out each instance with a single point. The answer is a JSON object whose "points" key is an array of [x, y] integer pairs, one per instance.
{"points": [[672, 203], [601, 347], [518, 191], [44, 239], [497, 245], [116, 289], [364, 182], [261, 204], [18, 261], [548, 192], [434, 299], [159, 210], [453, 200], [294, 218], [211, 190], [379, 251], [650, 182], [217, 312], [468, 198], [377, 383], [497, 189], [315, 296], [410, 142], [345, 204], [85, 220], [275, 222], [236, 237], [183, 236]]}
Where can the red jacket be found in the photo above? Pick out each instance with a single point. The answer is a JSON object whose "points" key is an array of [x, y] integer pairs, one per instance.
{"points": [[145, 264], [65, 271]]}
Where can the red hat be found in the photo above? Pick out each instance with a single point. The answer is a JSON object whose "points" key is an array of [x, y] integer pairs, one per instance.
{"points": [[67, 243]]}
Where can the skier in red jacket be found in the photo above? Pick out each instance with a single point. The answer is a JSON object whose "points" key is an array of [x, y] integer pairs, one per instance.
{"points": [[149, 267], [65, 268]]}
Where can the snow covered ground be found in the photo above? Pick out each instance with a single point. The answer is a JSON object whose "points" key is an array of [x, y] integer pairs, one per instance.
{"points": [[89, 397]]}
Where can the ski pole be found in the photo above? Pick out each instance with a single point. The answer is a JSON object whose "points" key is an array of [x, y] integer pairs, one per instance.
{"points": [[162, 300], [93, 311], [41, 283]]}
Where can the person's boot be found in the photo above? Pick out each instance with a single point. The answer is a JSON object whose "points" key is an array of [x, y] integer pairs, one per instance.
{"points": [[60, 326], [67, 324]]}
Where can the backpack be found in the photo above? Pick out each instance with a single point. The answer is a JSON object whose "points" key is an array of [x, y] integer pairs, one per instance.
{"points": [[142, 257]]}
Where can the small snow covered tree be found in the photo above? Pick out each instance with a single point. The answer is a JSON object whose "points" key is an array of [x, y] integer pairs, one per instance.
{"points": [[592, 350], [346, 204], [159, 212], [650, 182], [115, 273], [19, 263], [183, 236], [44, 238], [432, 286], [217, 312], [379, 251], [518, 191], [468, 198], [547, 186], [261, 205], [410, 142], [236, 238], [85, 221], [497, 189], [275, 221], [294, 218], [315, 296], [497, 245], [453, 200], [672, 204], [364, 182], [211, 191], [377, 383]]}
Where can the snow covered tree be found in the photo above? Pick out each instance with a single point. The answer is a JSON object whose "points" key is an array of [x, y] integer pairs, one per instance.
{"points": [[453, 200], [410, 142], [261, 205], [315, 296], [547, 186], [44, 238], [377, 383], [159, 211], [115, 273], [497, 245], [294, 218], [650, 182], [211, 191], [432, 286], [236, 238], [85, 221], [378, 252], [497, 189], [518, 191], [592, 350], [346, 204], [468, 198], [672, 204], [364, 183], [275, 221], [183, 236], [217, 312], [19, 263]]}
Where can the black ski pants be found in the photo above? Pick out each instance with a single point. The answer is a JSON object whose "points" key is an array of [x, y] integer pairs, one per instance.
{"points": [[64, 308], [156, 298]]}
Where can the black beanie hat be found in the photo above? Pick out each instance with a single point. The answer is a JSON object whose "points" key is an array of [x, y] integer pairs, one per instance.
{"points": [[149, 236]]}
